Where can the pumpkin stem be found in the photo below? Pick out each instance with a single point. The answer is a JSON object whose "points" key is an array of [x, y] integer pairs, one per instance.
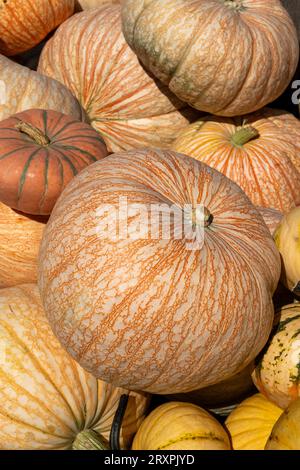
{"points": [[244, 135], [205, 219], [34, 133], [89, 440], [114, 438], [236, 4]]}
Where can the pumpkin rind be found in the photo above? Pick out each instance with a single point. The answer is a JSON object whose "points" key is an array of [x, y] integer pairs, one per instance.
{"points": [[277, 375], [180, 426], [272, 218], [20, 238], [251, 423], [25, 23], [152, 313], [286, 432], [130, 109], [222, 57], [22, 89], [266, 167], [46, 399], [33, 173], [89, 4]]}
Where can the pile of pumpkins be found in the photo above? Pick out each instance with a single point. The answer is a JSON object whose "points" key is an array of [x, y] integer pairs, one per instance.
{"points": [[119, 342]]}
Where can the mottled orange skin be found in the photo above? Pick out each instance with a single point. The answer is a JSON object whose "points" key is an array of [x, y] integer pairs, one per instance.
{"points": [[152, 313], [33, 173], [222, 57], [25, 23], [266, 167], [130, 109], [46, 398]]}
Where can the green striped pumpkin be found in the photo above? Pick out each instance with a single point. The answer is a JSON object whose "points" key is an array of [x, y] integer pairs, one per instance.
{"points": [[40, 152]]}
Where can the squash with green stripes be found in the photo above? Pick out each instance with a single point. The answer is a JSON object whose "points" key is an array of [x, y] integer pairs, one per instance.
{"points": [[180, 426], [40, 152]]}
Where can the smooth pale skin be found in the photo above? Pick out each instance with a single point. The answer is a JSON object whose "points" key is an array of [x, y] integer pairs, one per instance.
{"points": [[46, 399], [224, 57], [277, 375], [287, 238], [251, 423], [286, 432], [180, 426]]}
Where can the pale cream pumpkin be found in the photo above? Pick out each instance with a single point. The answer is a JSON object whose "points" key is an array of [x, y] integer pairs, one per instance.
{"points": [[22, 89], [20, 237], [226, 57], [277, 375], [89, 4], [272, 218], [180, 426], [124, 103], [287, 238], [251, 423], [46, 400], [159, 313], [260, 152], [286, 432], [25, 23]]}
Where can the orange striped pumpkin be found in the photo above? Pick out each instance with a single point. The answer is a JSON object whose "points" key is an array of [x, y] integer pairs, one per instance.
{"points": [[272, 218], [22, 89], [152, 312], [40, 152], [125, 104], [260, 152], [20, 238], [25, 23], [47, 402], [227, 57]]}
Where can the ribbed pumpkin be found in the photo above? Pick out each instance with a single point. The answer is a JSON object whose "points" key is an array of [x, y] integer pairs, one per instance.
{"points": [[158, 312], [180, 426], [260, 152], [22, 89], [46, 399], [89, 4], [25, 23], [287, 238], [125, 104], [272, 218], [40, 152], [227, 57], [251, 423], [20, 238], [277, 375], [286, 432]]}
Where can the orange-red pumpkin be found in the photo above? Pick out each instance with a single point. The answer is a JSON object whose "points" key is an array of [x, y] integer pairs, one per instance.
{"points": [[130, 109], [25, 23], [40, 152], [225, 57], [160, 312], [260, 152]]}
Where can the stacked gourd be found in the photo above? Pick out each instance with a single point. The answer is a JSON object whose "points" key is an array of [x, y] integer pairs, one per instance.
{"points": [[158, 103]]}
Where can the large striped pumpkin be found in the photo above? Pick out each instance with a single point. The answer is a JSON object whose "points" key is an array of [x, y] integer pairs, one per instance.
{"points": [[277, 375], [125, 104], [226, 57], [20, 238], [25, 23], [158, 312], [40, 152], [47, 401], [22, 89], [260, 152]]}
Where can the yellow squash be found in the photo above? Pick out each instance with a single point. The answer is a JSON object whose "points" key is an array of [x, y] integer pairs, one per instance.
{"points": [[286, 432]]}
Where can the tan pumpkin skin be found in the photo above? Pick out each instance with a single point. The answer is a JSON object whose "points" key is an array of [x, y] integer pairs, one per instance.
{"points": [[165, 325], [267, 167], [277, 375], [124, 103], [25, 23], [272, 218], [251, 423], [46, 399], [224, 57], [180, 426], [20, 237], [286, 432], [89, 4], [22, 89]]}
